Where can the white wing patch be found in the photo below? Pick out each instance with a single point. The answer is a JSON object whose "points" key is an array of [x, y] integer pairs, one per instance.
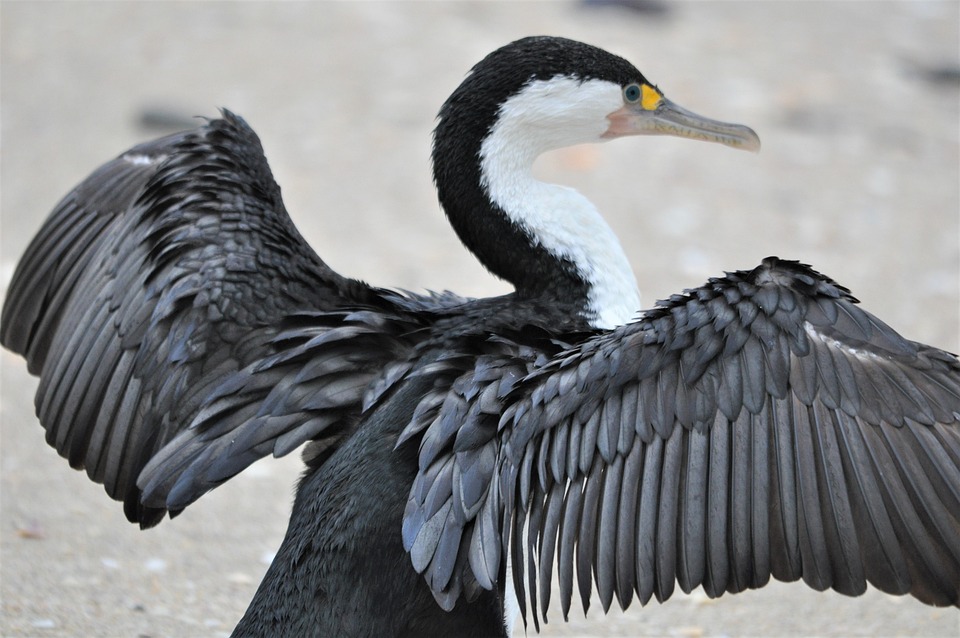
{"points": [[139, 159]]}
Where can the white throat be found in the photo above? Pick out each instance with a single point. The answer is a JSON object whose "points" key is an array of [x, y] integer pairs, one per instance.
{"points": [[540, 118]]}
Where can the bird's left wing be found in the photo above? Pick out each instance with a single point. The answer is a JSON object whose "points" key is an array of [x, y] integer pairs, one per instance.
{"points": [[163, 302], [760, 425]]}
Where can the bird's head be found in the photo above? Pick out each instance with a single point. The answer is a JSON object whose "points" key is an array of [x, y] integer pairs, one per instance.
{"points": [[532, 96], [542, 93]]}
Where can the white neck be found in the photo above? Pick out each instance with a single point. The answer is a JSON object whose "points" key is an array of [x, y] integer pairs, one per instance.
{"points": [[562, 220]]}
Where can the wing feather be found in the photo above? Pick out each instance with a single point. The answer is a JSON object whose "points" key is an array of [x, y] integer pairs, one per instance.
{"points": [[162, 279], [883, 558], [548, 542], [717, 521], [759, 486], [587, 535], [691, 543], [606, 560], [646, 570], [739, 501], [625, 539], [814, 551], [784, 506], [847, 573], [572, 510], [761, 425]]}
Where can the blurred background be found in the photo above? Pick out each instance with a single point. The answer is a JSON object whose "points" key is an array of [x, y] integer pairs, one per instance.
{"points": [[857, 104]]}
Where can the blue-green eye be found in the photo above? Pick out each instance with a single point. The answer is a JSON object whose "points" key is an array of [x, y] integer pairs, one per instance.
{"points": [[632, 93]]}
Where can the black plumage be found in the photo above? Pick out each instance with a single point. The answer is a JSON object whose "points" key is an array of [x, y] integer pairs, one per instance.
{"points": [[165, 280], [801, 476], [761, 425]]}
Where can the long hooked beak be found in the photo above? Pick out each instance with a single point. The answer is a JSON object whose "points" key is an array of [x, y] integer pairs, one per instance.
{"points": [[656, 115]]}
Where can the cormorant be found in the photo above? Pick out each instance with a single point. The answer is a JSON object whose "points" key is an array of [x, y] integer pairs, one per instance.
{"points": [[458, 449]]}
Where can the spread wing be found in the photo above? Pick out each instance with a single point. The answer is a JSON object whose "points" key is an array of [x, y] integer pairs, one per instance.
{"points": [[762, 425], [163, 301]]}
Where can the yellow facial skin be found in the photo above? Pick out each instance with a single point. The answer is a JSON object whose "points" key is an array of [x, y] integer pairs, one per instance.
{"points": [[650, 97]]}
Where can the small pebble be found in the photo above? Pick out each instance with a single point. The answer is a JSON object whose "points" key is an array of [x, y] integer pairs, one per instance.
{"points": [[239, 578], [156, 565], [31, 530]]}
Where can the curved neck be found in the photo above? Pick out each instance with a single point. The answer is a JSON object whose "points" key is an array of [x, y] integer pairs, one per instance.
{"points": [[547, 240], [565, 224]]}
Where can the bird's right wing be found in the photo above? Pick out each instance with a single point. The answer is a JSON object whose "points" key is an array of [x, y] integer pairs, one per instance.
{"points": [[163, 300], [761, 425]]}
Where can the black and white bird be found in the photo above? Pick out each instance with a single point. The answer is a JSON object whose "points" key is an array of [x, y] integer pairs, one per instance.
{"points": [[460, 450]]}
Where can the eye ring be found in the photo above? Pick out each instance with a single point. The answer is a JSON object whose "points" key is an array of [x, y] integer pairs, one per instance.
{"points": [[632, 93]]}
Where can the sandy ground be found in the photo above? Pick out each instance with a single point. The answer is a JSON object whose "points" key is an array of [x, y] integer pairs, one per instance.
{"points": [[857, 104]]}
